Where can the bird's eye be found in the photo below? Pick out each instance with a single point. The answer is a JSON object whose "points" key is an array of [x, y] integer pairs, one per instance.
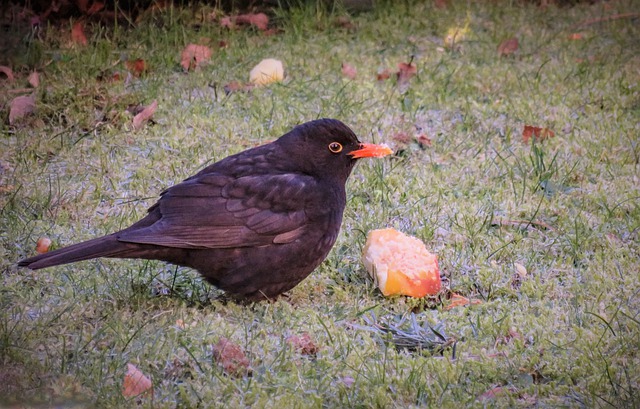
{"points": [[335, 147]]}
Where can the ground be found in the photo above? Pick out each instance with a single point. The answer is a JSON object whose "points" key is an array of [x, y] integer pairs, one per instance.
{"points": [[540, 232]]}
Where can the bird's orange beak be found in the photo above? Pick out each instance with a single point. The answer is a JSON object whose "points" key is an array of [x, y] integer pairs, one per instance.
{"points": [[370, 150]]}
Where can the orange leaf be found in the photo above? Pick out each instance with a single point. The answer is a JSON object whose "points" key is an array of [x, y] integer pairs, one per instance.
{"points": [[231, 357], [458, 300], [135, 383], [259, 20], [349, 71], [383, 75], [406, 71], [508, 46], [137, 67], [7, 72], [77, 34], [303, 343], [144, 115], [43, 244], [534, 131], [20, 107], [194, 55]]}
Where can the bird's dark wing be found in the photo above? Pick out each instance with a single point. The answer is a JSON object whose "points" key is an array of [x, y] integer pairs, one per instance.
{"points": [[219, 211]]}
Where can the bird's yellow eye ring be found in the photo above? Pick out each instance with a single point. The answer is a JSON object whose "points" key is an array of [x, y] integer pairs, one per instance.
{"points": [[335, 147]]}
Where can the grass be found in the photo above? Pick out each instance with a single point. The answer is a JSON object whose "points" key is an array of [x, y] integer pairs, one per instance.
{"points": [[566, 334]]}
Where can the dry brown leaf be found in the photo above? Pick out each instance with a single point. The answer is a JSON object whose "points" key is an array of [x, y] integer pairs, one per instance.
{"points": [[406, 71], [77, 34], [441, 4], [7, 72], [34, 79], [135, 383], [144, 115], [194, 55], [349, 71], [235, 86], [303, 344], [42, 245], [231, 357], [508, 46], [401, 137], [137, 67], [21, 106], [423, 140], [383, 75], [259, 20], [496, 392], [538, 133], [95, 7], [344, 22]]}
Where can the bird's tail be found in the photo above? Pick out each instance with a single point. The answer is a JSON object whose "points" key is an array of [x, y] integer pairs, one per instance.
{"points": [[107, 246]]}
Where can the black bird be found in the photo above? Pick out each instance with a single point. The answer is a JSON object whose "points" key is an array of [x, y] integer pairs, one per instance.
{"points": [[254, 224]]}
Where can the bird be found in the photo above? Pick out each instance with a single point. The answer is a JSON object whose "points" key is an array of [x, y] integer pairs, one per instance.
{"points": [[254, 224]]}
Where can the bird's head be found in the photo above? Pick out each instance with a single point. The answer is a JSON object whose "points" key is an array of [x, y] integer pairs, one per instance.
{"points": [[327, 147]]}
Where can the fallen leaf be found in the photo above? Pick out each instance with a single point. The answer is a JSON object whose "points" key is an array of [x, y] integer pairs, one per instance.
{"points": [[77, 34], [455, 35], [95, 7], [441, 4], [349, 71], [348, 381], [226, 22], [7, 72], [231, 357], [21, 106], [401, 137], [135, 383], [496, 392], [423, 140], [259, 20], [383, 75], [137, 67], [194, 55], [406, 71], [267, 71], [303, 343], [42, 245], [344, 22], [458, 300], [534, 131], [144, 115], [508, 46], [34, 79], [235, 86], [521, 270]]}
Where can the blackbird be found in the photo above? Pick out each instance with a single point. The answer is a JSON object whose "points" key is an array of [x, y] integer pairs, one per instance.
{"points": [[254, 224]]}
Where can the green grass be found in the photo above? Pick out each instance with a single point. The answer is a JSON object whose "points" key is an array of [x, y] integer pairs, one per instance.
{"points": [[76, 170]]}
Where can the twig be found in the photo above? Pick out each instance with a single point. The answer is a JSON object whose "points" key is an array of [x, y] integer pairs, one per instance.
{"points": [[607, 18], [521, 223]]}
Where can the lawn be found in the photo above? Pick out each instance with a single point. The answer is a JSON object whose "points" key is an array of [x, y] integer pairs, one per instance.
{"points": [[540, 233]]}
